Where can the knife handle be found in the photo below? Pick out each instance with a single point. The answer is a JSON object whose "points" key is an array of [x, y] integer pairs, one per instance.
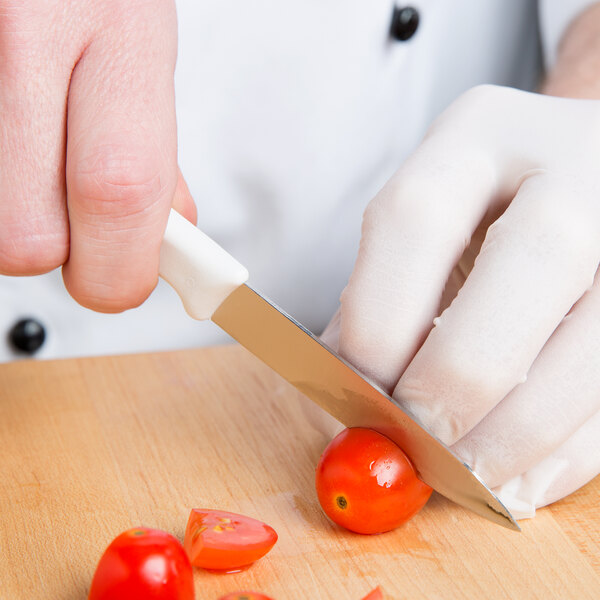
{"points": [[197, 268]]}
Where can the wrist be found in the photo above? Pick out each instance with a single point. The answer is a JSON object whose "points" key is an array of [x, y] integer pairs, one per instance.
{"points": [[577, 70]]}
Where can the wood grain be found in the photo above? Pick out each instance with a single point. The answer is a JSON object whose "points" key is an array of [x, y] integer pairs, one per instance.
{"points": [[91, 447]]}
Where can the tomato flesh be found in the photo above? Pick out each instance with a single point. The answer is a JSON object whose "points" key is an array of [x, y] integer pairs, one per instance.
{"points": [[143, 563], [375, 594], [224, 541], [367, 484]]}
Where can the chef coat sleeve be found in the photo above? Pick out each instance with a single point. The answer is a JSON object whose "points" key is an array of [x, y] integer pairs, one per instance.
{"points": [[555, 16]]}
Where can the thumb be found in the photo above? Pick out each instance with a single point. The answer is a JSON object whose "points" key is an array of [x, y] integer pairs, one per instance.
{"points": [[183, 202]]}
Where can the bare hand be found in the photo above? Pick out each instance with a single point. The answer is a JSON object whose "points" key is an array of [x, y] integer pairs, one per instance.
{"points": [[88, 137]]}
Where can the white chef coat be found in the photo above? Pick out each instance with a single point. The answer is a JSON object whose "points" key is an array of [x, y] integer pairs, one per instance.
{"points": [[291, 115]]}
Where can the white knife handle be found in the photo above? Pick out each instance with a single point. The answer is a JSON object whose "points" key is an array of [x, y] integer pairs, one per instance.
{"points": [[197, 268]]}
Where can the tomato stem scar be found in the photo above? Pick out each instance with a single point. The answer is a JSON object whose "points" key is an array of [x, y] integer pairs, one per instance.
{"points": [[341, 502]]}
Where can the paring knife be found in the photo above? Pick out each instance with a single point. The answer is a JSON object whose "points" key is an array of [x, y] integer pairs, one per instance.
{"points": [[211, 284]]}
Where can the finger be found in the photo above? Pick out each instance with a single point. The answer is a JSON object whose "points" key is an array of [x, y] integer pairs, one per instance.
{"points": [[35, 66], [568, 468], [561, 393], [537, 260], [413, 234], [121, 157]]}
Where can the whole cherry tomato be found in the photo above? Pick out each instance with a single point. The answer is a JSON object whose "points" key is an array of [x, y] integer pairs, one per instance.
{"points": [[245, 596], [225, 541], [367, 484], [143, 563]]}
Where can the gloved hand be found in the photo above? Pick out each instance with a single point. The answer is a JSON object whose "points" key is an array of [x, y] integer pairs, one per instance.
{"points": [[87, 114], [502, 202]]}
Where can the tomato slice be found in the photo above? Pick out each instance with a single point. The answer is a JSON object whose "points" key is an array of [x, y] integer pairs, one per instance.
{"points": [[245, 596], [375, 594], [225, 541], [143, 563], [367, 484]]}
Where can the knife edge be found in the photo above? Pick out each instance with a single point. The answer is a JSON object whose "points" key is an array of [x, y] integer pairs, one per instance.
{"points": [[337, 387]]}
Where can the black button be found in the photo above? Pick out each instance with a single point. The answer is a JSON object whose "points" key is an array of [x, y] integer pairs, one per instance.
{"points": [[405, 22], [27, 335]]}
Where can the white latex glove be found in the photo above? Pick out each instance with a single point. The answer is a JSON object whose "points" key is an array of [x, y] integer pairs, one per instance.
{"points": [[509, 374]]}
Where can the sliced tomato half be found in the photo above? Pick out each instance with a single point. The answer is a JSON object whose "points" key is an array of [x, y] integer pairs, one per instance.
{"points": [[225, 541], [375, 594], [245, 596]]}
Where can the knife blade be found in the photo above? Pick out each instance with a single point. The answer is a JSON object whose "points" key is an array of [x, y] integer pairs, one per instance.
{"points": [[212, 285]]}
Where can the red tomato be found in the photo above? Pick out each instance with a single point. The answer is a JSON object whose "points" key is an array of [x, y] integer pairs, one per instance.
{"points": [[225, 541], [245, 596], [366, 484], [143, 563], [375, 594]]}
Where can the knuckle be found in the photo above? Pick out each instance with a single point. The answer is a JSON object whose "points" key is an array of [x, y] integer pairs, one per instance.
{"points": [[566, 228], [16, 43], [22, 35], [468, 379], [413, 204], [464, 110], [15, 18], [568, 234], [399, 202], [550, 231], [475, 112], [485, 98], [467, 387], [581, 241], [119, 180]]}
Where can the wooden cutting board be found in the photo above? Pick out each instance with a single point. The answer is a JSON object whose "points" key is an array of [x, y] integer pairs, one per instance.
{"points": [[91, 447]]}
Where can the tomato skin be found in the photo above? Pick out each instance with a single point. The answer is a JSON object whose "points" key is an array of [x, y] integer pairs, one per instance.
{"points": [[143, 563], [225, 541], [367, 484], [245, 596]]}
